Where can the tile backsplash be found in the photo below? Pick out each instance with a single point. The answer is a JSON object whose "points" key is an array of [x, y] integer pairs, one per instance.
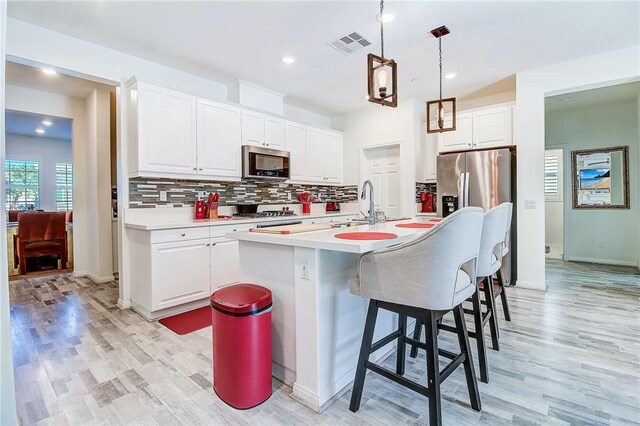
{"points": [[424, 187], [145, 192]]}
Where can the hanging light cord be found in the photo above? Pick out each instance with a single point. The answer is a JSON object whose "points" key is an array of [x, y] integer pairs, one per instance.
{"points": [[381, 29], [440, 48]]}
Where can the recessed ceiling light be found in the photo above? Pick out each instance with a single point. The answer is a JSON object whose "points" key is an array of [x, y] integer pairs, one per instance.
{"points": [[46, 123], [49, 71], [387, 17], [288, 59], [450, 75], [566, 99], [39, 130]]}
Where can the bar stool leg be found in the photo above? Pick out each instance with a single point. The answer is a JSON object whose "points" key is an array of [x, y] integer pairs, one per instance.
{"points": [[417, 331], [479, 333], [469, 372], [491, 307], [503, 297], [402, 346], [433, 370], [365, 348]]}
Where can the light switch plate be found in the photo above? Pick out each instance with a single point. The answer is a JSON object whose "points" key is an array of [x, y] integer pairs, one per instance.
{"points": [[304, 269]]}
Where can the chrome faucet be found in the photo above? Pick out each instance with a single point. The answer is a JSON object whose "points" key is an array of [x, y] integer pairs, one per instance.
{"points": [[372, 209]]}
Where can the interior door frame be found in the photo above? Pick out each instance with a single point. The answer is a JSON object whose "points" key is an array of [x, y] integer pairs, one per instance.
{"points": [[363, 168], [565, 168]]}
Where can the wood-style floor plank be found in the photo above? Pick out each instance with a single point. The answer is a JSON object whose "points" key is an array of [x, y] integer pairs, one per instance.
{"points": [[569, 356]]}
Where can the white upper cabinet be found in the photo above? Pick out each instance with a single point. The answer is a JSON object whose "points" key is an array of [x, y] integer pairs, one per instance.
{"points": [[461, 138], [166, 130], [492, 127], [296, 144], [274, 137], [262, 130], [252, 128], [332, 157], [324, 156], [484, 128], [219, 139]]}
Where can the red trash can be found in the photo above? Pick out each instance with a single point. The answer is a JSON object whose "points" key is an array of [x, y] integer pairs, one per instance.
{"points": [[241, 318]]}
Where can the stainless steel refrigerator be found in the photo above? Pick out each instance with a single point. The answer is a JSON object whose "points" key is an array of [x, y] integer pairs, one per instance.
{"points": [[482, 179]]}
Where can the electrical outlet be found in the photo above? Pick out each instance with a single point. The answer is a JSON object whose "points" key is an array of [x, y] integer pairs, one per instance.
{"points": [[289, 196], [530, 204], [163, 195], [602, 244], [201, 194], [304, 269]]}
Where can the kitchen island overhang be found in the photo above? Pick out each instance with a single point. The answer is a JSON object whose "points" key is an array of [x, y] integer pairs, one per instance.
{"points": [[317, 324]]}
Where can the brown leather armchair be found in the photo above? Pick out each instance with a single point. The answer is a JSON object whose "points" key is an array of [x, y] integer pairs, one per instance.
{"points": [[41, 234], [13, 215]]}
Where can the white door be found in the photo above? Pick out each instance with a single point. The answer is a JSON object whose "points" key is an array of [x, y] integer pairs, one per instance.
{"points": [[219, 139], [383, 170], [252, 128], [296, 144], [225, 262], [553, 203], [333, 157], [274, 132], [166, 130], [181, 273]]}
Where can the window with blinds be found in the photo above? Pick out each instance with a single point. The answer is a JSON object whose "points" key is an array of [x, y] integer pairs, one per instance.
{"points": [[22, 184], [64, 186], [553, 175]]}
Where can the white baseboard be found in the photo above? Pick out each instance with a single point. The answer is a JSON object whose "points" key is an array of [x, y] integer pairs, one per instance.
{"points": [[602, 261], [531, 285], [79, 274], [100, 280], [556, 251], [124, 305]]}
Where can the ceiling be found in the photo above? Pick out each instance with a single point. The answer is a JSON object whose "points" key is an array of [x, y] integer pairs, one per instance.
{"points": [[24, 123], [617, 93], [34, 78], [223, 41]]}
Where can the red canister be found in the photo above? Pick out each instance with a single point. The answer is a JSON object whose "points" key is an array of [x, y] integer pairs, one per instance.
{"points": [[199, 212]]}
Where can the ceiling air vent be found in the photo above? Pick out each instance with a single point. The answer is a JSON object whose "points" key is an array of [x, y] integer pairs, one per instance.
{"points": [[349, 43]]}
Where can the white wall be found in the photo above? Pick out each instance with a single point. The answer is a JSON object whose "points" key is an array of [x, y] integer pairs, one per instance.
{"points": [[47, 152], [45, 103], [599, 126], [8, 415], [376, 126], [531, 87], [100, 266]]}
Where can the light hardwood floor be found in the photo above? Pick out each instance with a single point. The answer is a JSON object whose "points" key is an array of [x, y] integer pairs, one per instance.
{"points": [[570, 356]]}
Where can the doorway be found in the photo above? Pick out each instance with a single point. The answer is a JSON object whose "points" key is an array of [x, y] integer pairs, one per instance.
{"points": [[382, 168], [553, 203]]}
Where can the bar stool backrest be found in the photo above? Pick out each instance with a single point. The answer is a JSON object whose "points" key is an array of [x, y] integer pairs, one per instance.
{"points": [[435, 271], [507, 235], [492, 243]]}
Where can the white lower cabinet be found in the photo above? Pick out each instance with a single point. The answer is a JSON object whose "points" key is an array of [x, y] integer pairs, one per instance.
{"points": [[181, 273], [175, 267]]}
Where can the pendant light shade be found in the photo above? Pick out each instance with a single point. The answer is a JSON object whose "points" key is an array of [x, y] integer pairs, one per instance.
{"points": [[441, 113], [382, 74]]}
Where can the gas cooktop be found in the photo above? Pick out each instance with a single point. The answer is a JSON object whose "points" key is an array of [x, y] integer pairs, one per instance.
{"points": [[267, 213]]}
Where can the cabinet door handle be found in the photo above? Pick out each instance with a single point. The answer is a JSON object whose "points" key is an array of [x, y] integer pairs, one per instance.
{"points": [[213, 244], [195, 168], [183, 235], [200, 169], [234, 230], [208, 245]]}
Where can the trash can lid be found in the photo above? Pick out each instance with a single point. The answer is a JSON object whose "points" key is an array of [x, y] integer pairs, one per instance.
{"points": [[241, 299]]}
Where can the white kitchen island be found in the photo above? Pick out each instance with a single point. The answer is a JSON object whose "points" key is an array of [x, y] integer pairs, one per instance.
{"points": [[317, 324]]}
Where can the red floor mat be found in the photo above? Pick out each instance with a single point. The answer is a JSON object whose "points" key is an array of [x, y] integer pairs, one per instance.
{"points": [[188, 322]]}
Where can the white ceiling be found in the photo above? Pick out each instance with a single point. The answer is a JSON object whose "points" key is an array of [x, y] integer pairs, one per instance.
{"points": [[617, 93], [24, 123], [223, 41]]}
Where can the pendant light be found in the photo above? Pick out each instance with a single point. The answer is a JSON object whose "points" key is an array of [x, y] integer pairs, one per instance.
{"points": [[382, 73], [441, 114]]}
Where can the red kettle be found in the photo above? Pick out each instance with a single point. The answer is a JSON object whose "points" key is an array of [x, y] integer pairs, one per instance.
{"points": [[427, 202]]}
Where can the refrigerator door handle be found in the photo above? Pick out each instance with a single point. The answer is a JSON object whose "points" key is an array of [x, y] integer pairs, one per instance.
{"points": [[461, 190], [466, 189]]}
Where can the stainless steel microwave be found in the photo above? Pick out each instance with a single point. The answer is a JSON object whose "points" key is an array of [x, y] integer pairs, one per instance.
{"points": [[264, 163]]}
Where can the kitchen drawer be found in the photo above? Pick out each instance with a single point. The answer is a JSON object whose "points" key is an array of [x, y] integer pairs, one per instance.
{"points": [[220, 231], [182, 234]]}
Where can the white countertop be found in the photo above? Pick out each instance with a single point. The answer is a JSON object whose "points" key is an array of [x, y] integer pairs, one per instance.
{"points": [[163, 223], [326, 240]]}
